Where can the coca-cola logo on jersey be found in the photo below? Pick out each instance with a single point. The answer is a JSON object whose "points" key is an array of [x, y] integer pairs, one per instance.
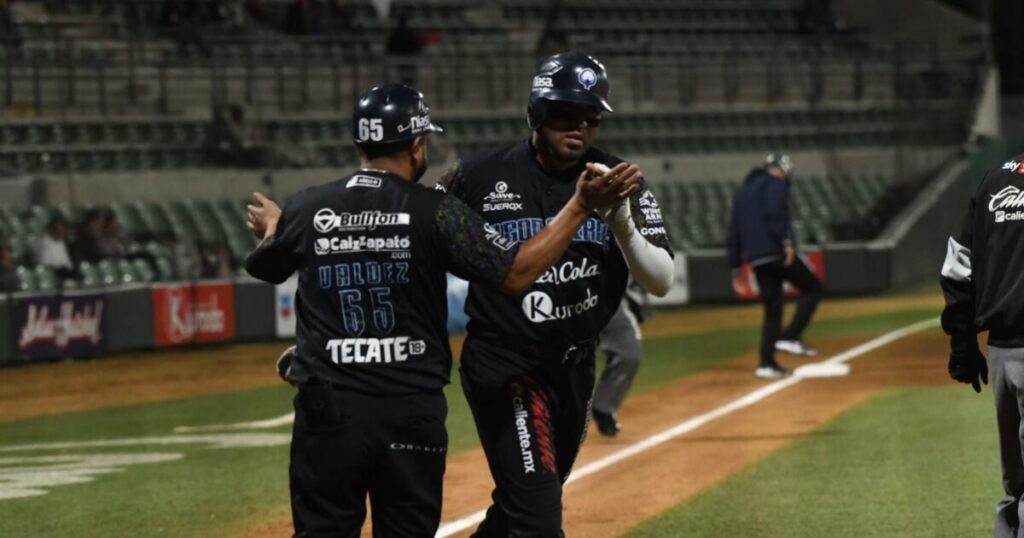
{"points": [[570, 271], [67, 323]]}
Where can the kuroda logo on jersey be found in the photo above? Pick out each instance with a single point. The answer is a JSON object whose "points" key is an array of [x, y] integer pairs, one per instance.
{"points": [[326, 220], [539, 308]]}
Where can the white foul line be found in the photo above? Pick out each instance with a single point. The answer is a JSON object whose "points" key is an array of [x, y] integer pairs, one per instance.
{"points": [[452, 527], [282, 420]]}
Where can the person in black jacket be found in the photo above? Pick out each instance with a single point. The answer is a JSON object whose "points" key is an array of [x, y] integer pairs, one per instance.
{"points": [[372, 352], [981, 283], [761, 233]]}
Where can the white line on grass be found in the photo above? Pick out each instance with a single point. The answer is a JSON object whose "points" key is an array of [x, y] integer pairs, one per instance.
{"points": [[282, 420], [452, 527]]}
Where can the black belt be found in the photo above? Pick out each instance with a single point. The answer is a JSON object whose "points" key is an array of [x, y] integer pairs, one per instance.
{"points": [[569, 356]]}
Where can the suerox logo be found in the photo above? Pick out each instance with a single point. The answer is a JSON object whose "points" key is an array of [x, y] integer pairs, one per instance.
{"points": [[325, 220]]}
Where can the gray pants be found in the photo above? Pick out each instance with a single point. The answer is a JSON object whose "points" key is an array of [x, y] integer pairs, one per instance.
{"points": [[1006, 367], [620, 341]]}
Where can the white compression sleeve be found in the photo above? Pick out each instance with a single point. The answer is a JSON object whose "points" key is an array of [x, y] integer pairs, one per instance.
{"points": [[651, 266]]}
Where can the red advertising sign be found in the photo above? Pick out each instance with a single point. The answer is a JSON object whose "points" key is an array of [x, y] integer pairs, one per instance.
{"points": [[814, 260], [186, 313]]}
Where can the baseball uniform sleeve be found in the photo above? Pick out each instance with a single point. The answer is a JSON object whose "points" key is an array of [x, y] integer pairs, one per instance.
{"points": [[279, 255], [957, 283], [475, 250], [452, 179], [648, 220]]}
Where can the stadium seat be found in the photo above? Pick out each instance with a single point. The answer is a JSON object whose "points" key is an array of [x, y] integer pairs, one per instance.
{"points": [[26, 279], [45, 278]]}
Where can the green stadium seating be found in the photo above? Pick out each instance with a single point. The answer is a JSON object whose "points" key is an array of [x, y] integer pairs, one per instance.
{"points": [[45, 279]]}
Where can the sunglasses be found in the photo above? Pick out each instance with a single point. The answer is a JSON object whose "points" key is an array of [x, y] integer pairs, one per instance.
{"points": [[561, 120]]}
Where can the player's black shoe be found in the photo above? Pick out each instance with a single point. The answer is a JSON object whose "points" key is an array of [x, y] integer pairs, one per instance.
{"points": [[607, 423]]}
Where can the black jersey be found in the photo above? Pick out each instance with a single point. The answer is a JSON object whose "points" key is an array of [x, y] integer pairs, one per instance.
{"points": [[984, 260], [372, 251], [575, 299]]}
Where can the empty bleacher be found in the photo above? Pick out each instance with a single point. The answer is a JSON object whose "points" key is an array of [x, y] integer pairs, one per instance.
{"points": [[823, 209], [127, 145]]}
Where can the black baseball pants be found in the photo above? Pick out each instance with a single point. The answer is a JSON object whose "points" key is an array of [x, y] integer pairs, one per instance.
{"points": [[531, 427], [770, 277], [347, 445]]}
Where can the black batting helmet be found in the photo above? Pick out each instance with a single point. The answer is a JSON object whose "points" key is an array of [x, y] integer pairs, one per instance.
{"points": [[391, 113], [571, 77]]}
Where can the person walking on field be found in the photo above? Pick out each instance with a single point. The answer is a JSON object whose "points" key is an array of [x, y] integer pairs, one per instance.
{"points": [[761, 233]]}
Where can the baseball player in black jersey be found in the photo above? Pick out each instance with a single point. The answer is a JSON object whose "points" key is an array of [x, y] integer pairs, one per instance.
{"points": [[981, 280], [527, 365], [372, 352]]}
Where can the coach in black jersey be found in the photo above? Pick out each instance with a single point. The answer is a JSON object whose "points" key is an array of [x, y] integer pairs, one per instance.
{"points": [[981, 280], [372, 351], [527, 366]]}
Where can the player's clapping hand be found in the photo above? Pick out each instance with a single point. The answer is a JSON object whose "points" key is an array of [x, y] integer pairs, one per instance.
{"points": [[600, 187], [262, 218]]}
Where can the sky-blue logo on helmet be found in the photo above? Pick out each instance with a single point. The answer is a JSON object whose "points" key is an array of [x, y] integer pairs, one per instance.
{"points": [[587, 78]]}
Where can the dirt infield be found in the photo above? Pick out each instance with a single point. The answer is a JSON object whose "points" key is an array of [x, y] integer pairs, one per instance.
{"points": [[50, 388], [614, 500]]}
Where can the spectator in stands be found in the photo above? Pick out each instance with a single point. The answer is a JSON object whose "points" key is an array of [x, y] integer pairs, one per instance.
{"points": [[215, 262], [231, 138], [51, 249], [86, 246], [8, 272], [112, 241], [553, 39], [298, 18], [8, 36], [182, 21], [283, 152], [403, 45], [185, 264]]}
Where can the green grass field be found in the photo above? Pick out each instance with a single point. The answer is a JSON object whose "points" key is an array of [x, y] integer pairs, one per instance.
{"points": [[202, 489], [906, 463]]}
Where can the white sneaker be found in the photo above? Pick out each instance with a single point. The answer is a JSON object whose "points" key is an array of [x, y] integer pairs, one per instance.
{"points": [[772, 372], [795, 347]]}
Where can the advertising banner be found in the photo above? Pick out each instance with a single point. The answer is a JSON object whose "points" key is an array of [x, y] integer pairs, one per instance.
{"points": [[814, 260], [192, 313], [53, 326], [284, 306]]}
